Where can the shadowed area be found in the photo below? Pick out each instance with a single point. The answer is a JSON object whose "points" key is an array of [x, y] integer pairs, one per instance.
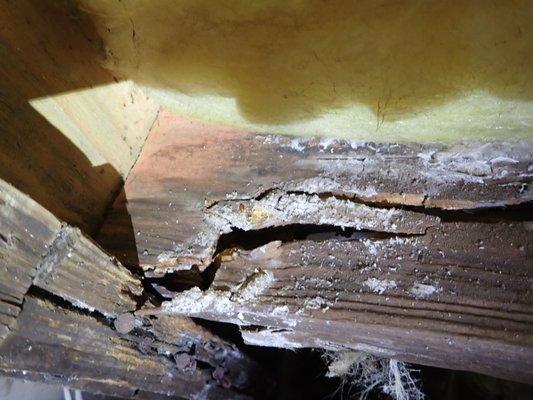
{"points": [[284, 61], [69, 131]]}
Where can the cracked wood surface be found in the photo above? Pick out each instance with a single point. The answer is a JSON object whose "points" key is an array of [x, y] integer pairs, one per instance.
{"points": [[60, 299], [191, 179], [26, 231], [38, 250], [426, 299], [77, 270], [59, 345], [428, 272]]}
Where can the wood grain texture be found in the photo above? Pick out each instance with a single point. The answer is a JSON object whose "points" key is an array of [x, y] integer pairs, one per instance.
{"points": [[68, 132], [61, 298], [60, 345], [429, 299], [77, 270], [36, 249], [26, 232], [429, 269], [191, 179]]}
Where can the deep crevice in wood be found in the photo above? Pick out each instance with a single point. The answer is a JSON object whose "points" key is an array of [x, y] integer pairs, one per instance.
{"points": [[179, 281], [503, 211], [60, 302], [481, 213]]}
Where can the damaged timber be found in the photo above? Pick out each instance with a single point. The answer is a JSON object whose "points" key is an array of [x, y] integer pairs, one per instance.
{"points": [[418, 252], [66, 315]]}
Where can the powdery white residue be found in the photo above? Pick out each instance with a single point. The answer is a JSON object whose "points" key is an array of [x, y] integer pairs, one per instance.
{"points": [[279, 207], [471, 162], [422, 290], [269, 139], [270, 338], [194, 301], [167, 257], [399, 240], [315, 185], [356, 144], [317, 303], [280, 310], [296, 145], [503, 160], [326, 142], [426, 157], [379, 285], [371, 246], [472, 168], [257, 283]]}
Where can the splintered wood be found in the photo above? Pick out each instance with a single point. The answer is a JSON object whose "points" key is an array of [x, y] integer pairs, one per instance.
{"points": [[61, 302], [194, 182], [27, 231], [418, 252], [57, 345]]}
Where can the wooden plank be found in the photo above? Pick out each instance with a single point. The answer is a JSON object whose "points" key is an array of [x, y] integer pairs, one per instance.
{"points": [[26, 232], [428, 299], [416, 263], [60, 345], [169, 216], [77, 270], [66, 314], [35, 249], [69, 133]]}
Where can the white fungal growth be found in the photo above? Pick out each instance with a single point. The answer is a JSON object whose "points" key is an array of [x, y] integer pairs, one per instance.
{"points": [[167, 258], [194, 301], [280, 310], [379, 285], [297, 145], [258, 282], [367, 373], [342, 362], [317, 303], [271, 338], [421, 290], [222, 302]]}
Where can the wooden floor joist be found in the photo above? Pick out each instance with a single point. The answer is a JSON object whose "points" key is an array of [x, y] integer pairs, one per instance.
{"points": [[58, 345], [145, 254], [195, 182], [424, 299], [66, 312], [419, 252]]}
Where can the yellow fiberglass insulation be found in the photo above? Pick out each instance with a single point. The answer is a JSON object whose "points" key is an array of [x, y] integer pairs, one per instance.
{"points": [[370, 69]]}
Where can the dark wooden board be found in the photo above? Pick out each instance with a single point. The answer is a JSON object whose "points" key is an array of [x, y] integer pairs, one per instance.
{"points": [[425, 299], [59, 345], [36, 249], [428, 269], [26, 232], [77, 270], [62, 300], [168, 216]]}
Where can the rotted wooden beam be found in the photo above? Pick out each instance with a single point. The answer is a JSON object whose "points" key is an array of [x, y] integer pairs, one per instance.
{"points": [[419, 252], [67, 316], [195, 182]]}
